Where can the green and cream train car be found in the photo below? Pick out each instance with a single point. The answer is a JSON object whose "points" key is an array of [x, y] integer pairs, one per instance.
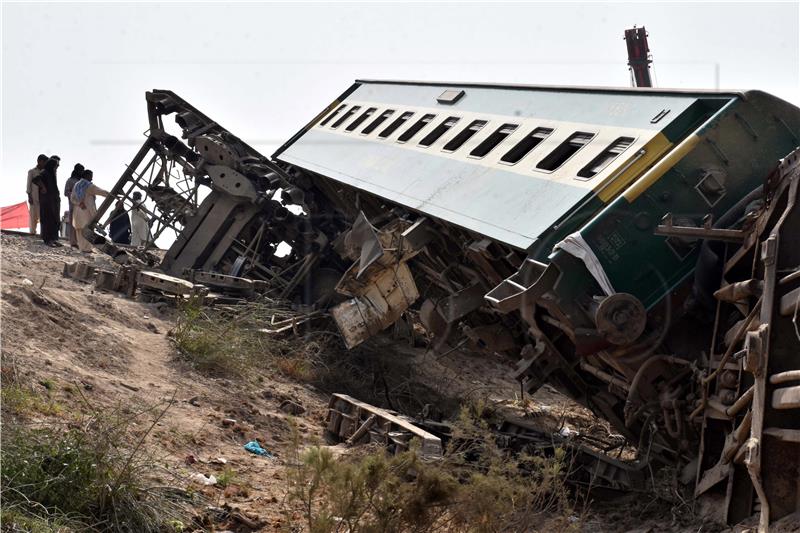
{"points": [[530, 166], [573, 181]]}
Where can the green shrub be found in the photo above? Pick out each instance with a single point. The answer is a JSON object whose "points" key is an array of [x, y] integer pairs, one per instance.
{"points": [[14, 520], [476, 487], [87, 476], [19, 400], [209, 349], [227, 477]]}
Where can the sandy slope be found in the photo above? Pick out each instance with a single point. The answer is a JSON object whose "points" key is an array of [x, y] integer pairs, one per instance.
{"points": [[58, 331], [114, 353]]}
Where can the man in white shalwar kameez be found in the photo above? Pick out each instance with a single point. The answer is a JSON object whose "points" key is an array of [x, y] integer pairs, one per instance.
{"points": [[33, 192], [140, 223]]}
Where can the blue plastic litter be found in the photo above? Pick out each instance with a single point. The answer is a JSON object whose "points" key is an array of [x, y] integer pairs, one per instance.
{"points": [[255, 447]]}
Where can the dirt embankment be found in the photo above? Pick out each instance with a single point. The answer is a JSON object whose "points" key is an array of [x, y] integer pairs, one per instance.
{"points": [[85, 350]]}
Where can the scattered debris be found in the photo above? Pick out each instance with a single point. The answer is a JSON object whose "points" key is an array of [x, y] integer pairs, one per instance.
{"points": [[123, 280], [361, 423], [254, 523], [79, 271], [156, 286], [254, 447], [225, 284], [204, 479], [292, 408], [348, 417]]}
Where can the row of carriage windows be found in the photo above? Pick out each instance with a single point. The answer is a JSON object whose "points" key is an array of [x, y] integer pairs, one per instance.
{"points": [[551, 162]]}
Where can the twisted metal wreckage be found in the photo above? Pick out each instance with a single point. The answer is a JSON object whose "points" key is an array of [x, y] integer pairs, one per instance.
{"points": [[636, 249]]}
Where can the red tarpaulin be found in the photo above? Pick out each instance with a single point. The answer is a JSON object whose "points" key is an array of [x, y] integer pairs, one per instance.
{"points": [[14, 216]]}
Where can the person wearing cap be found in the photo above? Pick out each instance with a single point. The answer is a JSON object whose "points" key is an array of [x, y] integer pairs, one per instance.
{"points": [[33, 193], [140, 223]]}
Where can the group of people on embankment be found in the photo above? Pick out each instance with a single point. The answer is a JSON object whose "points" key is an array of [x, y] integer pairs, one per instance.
{"points": [[126, 226]]}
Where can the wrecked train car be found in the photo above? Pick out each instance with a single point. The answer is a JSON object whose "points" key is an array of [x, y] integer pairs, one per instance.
{"points": [[606, 240]]}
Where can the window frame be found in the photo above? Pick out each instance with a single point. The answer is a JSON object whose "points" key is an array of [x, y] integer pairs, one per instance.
{"points": [[380, 119], [604, 150], [442, 124], [550, 130], [399, 121], [423, 122], [469, 137], [361, 119], [497, 131], [593, 136], [331, 115], [347, 116]]}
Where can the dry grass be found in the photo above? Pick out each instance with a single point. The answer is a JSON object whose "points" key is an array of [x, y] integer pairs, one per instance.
{"points": [[230, 341]]}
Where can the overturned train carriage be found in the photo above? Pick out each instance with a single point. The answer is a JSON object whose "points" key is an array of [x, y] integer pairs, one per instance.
{"points": [[622, 245]]}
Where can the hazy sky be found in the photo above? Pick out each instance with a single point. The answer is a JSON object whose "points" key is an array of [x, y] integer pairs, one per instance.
{"points": [[74, 75]]}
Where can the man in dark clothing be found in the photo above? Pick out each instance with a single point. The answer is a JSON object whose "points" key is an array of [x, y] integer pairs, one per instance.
{"points": [[49, 201], [120, 224]]}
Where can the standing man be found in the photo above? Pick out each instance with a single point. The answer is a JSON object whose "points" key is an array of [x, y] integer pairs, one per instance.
{"points": [[75, 177], [120, 224], [49, 201], [84, 207], [33, 192], [140, 223]]}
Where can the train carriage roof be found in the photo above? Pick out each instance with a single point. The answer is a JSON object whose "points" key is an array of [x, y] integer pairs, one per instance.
{"points": [[505, 161]]}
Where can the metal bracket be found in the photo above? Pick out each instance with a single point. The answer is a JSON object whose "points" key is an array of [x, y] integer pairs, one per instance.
{"points": [[668, 229]]}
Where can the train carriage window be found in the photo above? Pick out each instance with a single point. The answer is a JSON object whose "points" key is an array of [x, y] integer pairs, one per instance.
{"points": [[438, 131], [399, 121], [524, 147], [493, 140], [565, 150], [364, 116], [466, 134], [377, 122], [599, 163], [350, 112], [418, 125], [330, 117]]}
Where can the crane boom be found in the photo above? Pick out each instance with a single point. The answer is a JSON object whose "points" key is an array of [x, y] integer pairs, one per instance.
{"points": [[639, 57]]}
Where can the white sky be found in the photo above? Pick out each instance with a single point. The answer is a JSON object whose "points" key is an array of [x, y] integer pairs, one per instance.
{"points": [[74, 75]]}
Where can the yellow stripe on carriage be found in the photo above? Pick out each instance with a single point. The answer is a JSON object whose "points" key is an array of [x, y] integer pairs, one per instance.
{"points": [[661, 168], [632, 167]]}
